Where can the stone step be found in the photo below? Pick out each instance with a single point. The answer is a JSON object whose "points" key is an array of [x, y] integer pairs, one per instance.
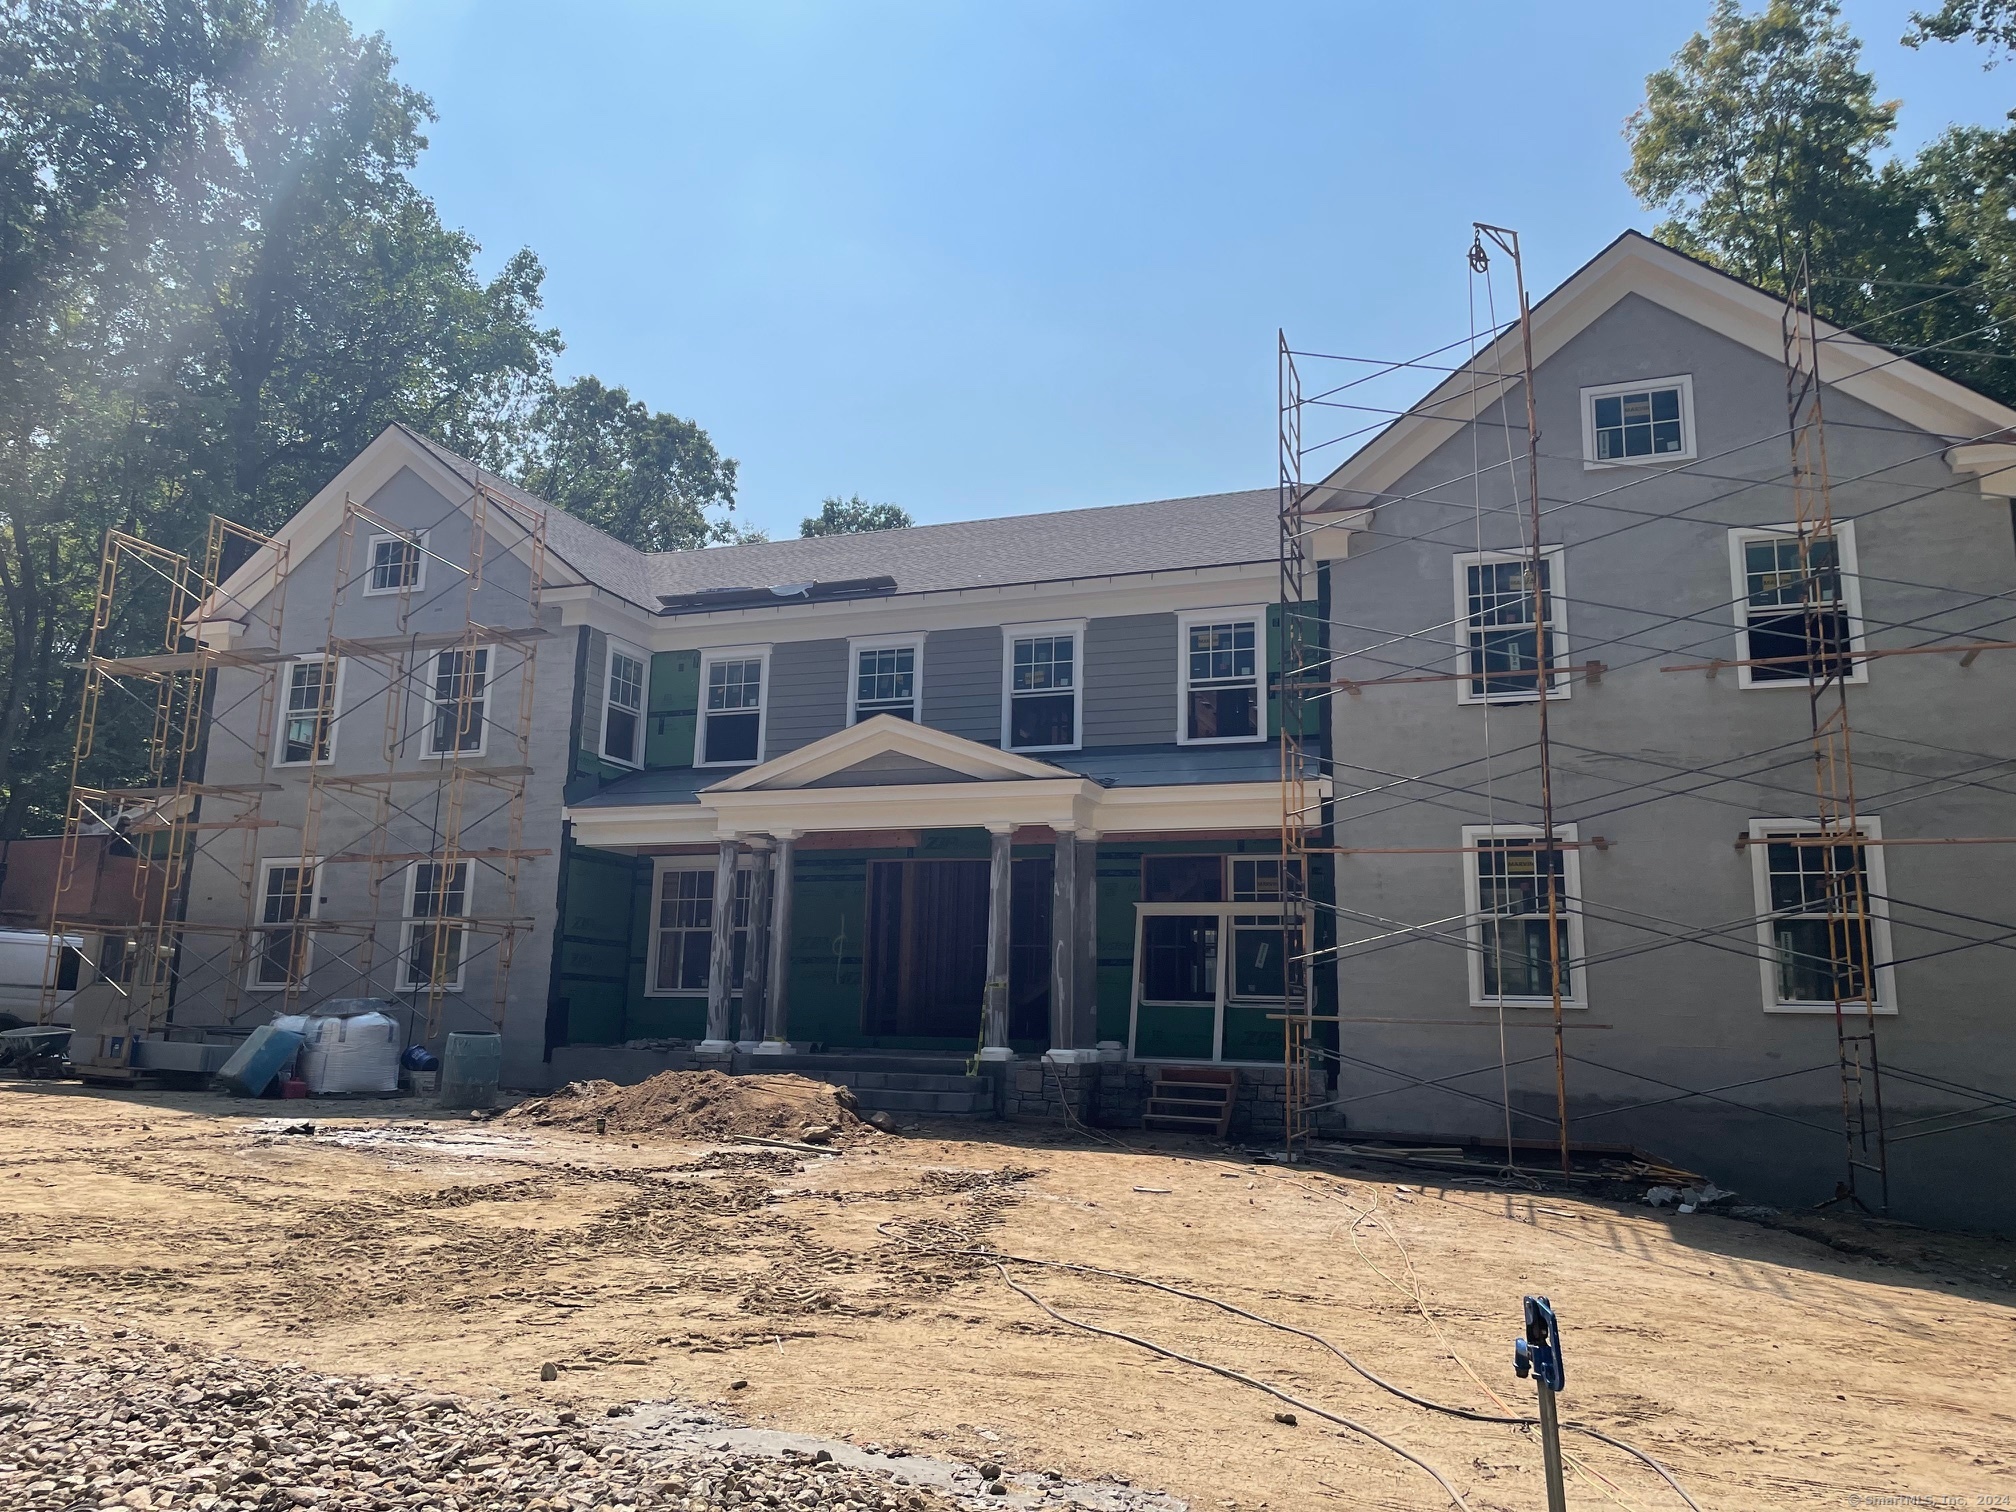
{"points": [[917, 1081], [945, 1103]]}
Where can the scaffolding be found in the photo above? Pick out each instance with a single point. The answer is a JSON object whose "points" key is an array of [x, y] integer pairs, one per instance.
{"points": [[1313, 676], [439, 797], [159, 634]]}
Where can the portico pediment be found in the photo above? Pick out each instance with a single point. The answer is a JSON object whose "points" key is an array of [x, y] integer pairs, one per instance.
{"points": [[887, 752]]}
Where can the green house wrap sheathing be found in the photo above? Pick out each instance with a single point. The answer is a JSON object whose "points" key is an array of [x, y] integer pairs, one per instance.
{"points": [[673, 710], [601, 950]]}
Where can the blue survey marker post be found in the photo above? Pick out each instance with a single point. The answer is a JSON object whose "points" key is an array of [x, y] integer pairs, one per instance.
{"points": [[1538, 1354]]}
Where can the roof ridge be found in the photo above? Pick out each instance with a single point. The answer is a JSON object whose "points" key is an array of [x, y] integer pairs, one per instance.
{"points": [[911, 531]]}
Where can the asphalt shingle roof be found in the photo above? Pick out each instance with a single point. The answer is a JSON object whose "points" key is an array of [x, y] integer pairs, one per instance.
{"points": [[1207, 530]]}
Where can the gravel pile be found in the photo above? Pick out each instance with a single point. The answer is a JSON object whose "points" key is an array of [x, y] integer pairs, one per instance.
{"points": [[89, 1420]]}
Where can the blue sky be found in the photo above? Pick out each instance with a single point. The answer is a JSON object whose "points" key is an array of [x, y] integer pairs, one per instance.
{"points": [[994, 259]]}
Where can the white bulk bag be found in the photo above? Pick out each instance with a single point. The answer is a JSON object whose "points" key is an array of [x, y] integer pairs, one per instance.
{"points": [[355, 1053]]}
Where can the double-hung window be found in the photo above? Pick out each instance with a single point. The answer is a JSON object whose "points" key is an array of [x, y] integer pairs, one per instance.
{"points": [[284, 945], [1509, 630], [1822, 911], [1223, 653], [682, 934], [1798, 606], [1642, 423], [623, 706], [398, 563], [1043, 686], [1510, 880], [886, 678], [431, 952], [731, 705], [458, 692], [307, 730]]}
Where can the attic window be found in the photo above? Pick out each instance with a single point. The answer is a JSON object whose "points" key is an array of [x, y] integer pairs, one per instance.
{"points": [[1640, 424], [398, 563]]}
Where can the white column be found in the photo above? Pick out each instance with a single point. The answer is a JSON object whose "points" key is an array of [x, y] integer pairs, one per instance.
{"points": [[756, 968], [721, 954], [777, 1025], [994, 1033]]}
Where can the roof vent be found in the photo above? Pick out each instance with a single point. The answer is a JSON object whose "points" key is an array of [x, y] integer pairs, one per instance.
{"points": [[781, 593]]}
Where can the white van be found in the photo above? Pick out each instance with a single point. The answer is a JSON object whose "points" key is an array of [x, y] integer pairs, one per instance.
{"points": [[24, 967]]}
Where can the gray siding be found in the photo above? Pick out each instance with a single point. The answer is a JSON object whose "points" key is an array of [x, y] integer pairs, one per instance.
{"points": [[1130, 680], [962, 683], [808, 693]]}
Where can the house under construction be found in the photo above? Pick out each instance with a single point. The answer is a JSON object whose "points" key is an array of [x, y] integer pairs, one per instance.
{"points": [[1463, 789]]}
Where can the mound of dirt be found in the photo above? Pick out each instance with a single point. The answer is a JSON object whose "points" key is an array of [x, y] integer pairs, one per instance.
{"points": [[703, 1105]]}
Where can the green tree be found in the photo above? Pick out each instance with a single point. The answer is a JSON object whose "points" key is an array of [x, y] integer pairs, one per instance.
{"points": [[1763, 145], [852, 516], [1759, 143], [219, 284], [646, 477], [1990, 22]]}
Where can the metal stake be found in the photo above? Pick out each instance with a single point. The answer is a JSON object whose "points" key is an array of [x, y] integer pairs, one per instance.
{"points": [[1539, 1355]]}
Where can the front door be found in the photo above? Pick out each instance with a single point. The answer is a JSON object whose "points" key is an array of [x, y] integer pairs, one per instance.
{"points": [[926, 967]]}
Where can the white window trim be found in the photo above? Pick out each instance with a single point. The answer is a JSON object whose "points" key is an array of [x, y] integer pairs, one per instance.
{"points": [[335, 712], [371, 546], [1256, 613], [1851, 600], [616, 648], [408, 923], [1879, 914], [433, 705], [857, 644], [1075, 628], [1223, 998], [1682, 381], [266, 866], [660, 865], [1561, 682], [1473, 910], [733, 653]]}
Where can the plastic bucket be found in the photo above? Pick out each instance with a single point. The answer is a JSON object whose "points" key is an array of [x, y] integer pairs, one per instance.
{"points": [[470, 1067]]}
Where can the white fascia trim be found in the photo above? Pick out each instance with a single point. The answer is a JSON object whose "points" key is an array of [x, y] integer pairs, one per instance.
{"points": [[635, 761], [1992, 463], [1231, 612], [885, 734], [1075, 628], [1571, 888], [1879, 914], [856, 644], [322, 516], [1068, 804], [1562, 684], [1635, 264], [419, 583], [1851, 600], [709, 655], [1687, 453]]}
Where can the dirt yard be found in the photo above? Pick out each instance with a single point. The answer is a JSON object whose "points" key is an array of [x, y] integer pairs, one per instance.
{"points": [[1765, 1368]]}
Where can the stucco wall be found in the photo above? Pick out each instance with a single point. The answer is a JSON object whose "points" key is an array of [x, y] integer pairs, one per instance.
{"points": [[444, 604], [1669, 767]]}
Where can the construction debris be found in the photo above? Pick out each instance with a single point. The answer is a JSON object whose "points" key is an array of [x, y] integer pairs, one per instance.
{"points": [[703, 1105]]}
